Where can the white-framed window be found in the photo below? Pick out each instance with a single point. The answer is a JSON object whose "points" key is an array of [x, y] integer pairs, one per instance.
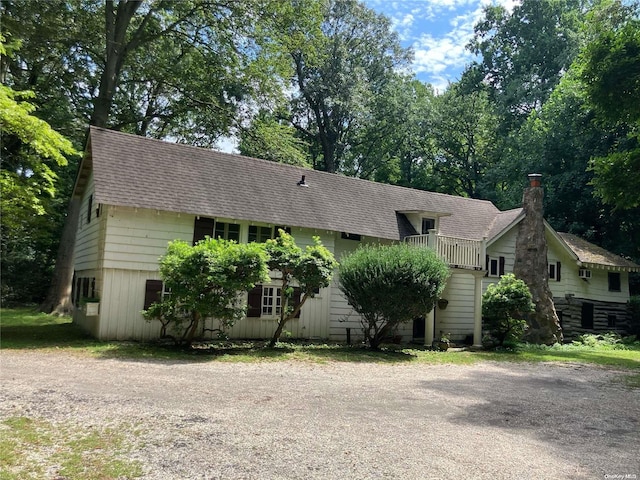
{"points": [[428, 224], [262, 234], [227, 231], [265, 301], [271, 301], [495, 266], [555, 271]]}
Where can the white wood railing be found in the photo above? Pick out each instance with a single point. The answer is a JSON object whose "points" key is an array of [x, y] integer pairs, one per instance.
{"points": [[457, 252]]}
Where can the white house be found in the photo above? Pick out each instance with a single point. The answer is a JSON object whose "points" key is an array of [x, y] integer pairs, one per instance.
{"points": [[138, 194]]}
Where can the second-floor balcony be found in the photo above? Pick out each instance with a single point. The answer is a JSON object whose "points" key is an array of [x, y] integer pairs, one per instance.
{"points": [[457, 252]]}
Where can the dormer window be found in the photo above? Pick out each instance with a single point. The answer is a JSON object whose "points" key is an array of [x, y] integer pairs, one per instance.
{"points": [[428, 224]]}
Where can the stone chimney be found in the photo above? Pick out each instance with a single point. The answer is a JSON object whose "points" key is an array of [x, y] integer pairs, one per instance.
{"points": [[531, 266]]}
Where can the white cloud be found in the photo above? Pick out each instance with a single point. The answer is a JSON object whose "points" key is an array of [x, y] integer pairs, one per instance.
{"points": [[439, 57]]}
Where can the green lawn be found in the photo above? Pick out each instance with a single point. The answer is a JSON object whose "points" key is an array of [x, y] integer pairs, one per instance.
{"points": [[26, 329]]}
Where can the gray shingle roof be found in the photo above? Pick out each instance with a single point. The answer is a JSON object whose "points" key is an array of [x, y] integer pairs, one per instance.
{"points": [[139, 172], [588, 253]]}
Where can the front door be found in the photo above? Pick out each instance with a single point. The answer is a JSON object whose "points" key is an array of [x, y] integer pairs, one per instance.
{"points": [[418, 329]]}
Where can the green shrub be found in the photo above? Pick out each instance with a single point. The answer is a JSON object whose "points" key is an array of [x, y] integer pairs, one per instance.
{"points": [[206, 280], [390, 285], [504, 306]]}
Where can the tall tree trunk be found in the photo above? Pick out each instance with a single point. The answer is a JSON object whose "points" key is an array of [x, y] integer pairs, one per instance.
{"points": [[117, 22], [58, 298], [531, 267]]}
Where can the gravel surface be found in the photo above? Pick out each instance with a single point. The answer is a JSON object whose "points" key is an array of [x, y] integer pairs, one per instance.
{"points": [[291, 420]]}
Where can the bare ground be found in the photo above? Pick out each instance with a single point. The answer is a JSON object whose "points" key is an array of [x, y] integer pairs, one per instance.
{"points": [[291, 420]]}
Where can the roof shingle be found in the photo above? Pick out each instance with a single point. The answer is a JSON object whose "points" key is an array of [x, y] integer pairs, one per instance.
{"points": [[139, 172], [589, 253]]}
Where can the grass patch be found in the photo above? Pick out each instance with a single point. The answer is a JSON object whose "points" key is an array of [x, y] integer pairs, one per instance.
{"points": [[39, 449], [26, 329]]}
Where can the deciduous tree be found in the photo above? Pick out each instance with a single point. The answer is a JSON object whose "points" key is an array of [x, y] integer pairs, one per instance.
{"points": [[311, 268]]}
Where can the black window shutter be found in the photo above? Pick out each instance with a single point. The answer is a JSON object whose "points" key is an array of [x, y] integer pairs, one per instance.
{"points": [[152, 292], [78, 290], [202, 227], [74, 289], [90, 207], [296, 299], [254, 302], [85, 287], [501, 268], [558, 266], [487, 265]]}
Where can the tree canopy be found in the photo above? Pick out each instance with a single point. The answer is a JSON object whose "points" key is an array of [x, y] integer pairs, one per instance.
{"points": [[327, 84]]}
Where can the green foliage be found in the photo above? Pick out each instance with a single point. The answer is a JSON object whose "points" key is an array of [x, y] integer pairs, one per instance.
{"points": [[604, 339], [390, 285], [465, 129], [206, 280], [504, 306], [311, 268], [32, 153], [273, 140], [609, 69]]}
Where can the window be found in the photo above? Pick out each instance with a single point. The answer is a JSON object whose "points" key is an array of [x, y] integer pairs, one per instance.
{"points": [[351, 236], [262, 234], [614, 281], [208, 227], [265, 301], [259, 234], [428, 224], [89, 208], [152, 292], [611, 320], [227, 231], [554, 271], [271, 302], [495, 266], [586, 319]]}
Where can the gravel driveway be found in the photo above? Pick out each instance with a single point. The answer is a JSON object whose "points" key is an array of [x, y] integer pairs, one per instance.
{"points": [[342, 420]]}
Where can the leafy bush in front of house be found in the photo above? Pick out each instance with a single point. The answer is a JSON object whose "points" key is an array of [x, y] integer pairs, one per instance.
{"points": [[206, 280], [390, 285], [312, 268], [504, 306]]}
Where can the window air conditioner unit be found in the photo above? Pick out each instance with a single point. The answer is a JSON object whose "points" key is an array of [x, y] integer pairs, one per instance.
{"points": [[584, 273]]}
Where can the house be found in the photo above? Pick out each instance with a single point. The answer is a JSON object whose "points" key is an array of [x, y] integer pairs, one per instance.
{"points": [[138, 194]]}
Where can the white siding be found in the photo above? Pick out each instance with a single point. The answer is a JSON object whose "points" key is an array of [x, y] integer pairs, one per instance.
{"points": [[570, 284], [457, 318], [121, 306], [88, 241], [505, 247], [136, 238]]}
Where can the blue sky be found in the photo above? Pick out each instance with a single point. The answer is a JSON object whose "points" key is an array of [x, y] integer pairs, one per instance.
{"points": [[438, 31]]}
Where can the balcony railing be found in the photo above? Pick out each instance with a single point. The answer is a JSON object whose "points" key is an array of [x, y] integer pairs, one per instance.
{"points": [[457, 252]]}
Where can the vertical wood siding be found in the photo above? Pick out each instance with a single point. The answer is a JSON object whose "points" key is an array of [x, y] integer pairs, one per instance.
{"points": [[122, 303]]}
